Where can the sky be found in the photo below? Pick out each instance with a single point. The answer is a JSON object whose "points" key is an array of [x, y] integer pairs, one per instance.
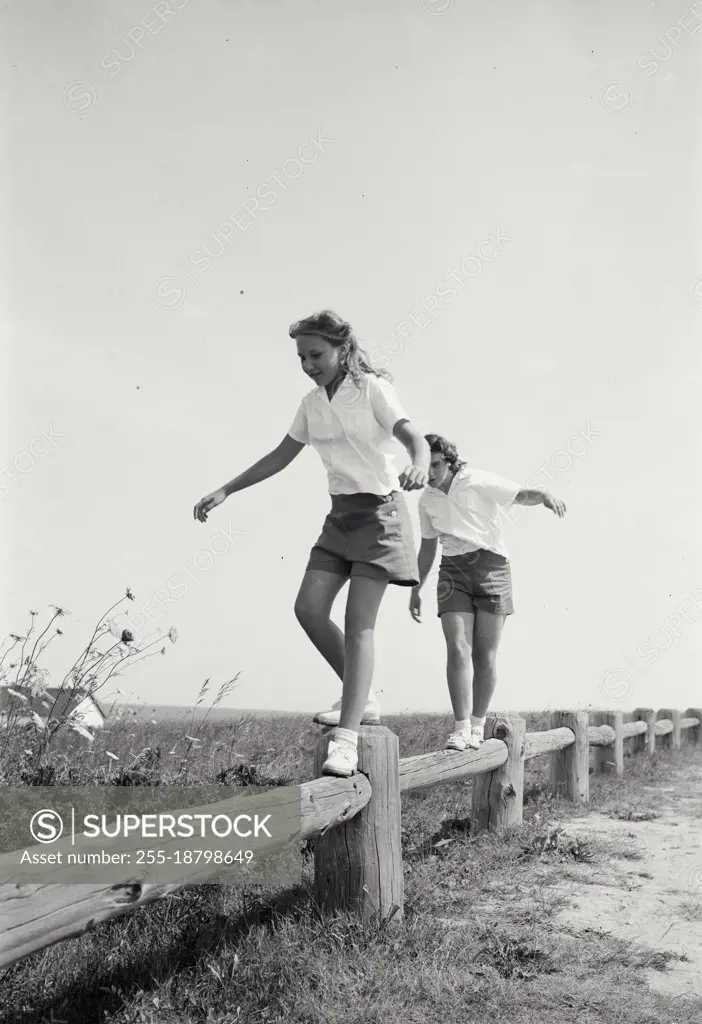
{"points": [[504, 202]]}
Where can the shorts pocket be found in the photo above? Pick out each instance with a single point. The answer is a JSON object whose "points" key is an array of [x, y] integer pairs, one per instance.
{"points": [[497, 581], [388, 516]]}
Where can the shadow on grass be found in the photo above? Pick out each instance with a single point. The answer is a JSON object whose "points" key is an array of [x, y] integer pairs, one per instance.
{"points": [[95, 991]]}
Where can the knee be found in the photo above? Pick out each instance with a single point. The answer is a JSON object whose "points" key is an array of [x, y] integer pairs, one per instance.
{"points": [[307, 614], [357, 630], [484, 658], [458, 650]]}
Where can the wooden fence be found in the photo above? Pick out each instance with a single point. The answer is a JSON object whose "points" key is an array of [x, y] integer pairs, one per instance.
{"points": [[356, 821]]}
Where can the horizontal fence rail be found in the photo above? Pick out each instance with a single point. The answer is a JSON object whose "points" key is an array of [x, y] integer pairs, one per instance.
{"points": [[423, 771], [355, 823], [601, 735], [538, 743], [633, 729], [38, 915]]}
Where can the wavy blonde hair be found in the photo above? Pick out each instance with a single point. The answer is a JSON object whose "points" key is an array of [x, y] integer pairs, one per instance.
{"points": [[329, 325]]}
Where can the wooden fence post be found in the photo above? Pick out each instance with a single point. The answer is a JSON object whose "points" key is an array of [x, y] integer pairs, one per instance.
{"points": [[358, 865], [667, 742], [628, 741], [498, 796], [677, 731], [609, 759], [694, 735], [570, 767], [646, 742]]}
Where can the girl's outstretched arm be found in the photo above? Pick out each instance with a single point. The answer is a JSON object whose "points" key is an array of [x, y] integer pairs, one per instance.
{"points": [[539, 496], [425, 560], [416, 476], [268, 466]]}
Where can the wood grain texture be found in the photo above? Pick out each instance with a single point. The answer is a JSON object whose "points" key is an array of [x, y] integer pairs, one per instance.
{"points": [[664, 728], [630, 730], [691, 725], [538, 743], [609, 759], [569, 774], [600, 735], [425, 770], [646, 742], [358, 864], [498, 796], [33, 916]]}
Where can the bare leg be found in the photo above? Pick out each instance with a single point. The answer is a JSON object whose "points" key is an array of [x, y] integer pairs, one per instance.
{"points": [[313, 606], [365, 595], [486, 639], [458, 631]]}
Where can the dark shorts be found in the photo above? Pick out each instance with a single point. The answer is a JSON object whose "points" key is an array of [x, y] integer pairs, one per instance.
{"points": [[478, 579], [368, 535]]}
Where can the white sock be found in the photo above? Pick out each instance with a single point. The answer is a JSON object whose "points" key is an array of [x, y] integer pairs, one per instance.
{"points": [[347, 736], [477, 723], [462, 724]]}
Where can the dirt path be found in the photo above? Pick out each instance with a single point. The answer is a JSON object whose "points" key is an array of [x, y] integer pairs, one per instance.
{"points": [[655, 900]]}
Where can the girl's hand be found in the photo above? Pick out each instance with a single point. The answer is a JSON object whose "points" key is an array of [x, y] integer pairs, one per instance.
{"points": [[207, 503], [555, 504], [415, 605], [413, 479]]}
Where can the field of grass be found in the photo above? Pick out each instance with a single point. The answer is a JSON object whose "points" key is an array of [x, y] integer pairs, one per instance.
{"points": [[479, 941]]}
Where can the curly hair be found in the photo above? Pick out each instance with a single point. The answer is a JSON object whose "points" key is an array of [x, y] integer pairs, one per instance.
{"points": [[329, 325], [438, 445]]}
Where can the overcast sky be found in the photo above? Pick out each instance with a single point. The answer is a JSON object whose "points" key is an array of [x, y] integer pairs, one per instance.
{"points": [[502, 199]]}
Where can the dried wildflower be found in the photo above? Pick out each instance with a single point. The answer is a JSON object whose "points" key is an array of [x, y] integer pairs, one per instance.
{"points": [[129, 594], [173, 634], [127, 637], [80, 729], [32, 612], [117, 626], [59, 631], [60, 611], [13, 636], [36, 679]]}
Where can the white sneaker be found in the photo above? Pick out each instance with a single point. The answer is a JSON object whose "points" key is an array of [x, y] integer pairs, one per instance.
{"points": [[462, 739], [477, 735], [342, 760], [370, 716]]}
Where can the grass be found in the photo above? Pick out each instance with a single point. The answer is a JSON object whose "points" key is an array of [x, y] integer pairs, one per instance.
{"points": [[479, 941]]}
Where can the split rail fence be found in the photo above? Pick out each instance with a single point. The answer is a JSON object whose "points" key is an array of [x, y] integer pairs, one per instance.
{"points": [[356, 822]]}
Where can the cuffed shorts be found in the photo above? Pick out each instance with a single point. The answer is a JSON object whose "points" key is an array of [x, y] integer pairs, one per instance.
{"points": [[368, 535], [477, 579]]}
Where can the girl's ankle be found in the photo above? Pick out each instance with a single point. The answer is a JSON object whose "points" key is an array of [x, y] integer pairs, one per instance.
{"points": [[347, 736]]}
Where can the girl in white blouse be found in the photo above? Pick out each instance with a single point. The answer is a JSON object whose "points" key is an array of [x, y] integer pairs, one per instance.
{"points": [[352, 418]]}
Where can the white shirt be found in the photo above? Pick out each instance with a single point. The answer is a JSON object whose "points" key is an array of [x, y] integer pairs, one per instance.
{"points": [[353, 434], [468, 517]]}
